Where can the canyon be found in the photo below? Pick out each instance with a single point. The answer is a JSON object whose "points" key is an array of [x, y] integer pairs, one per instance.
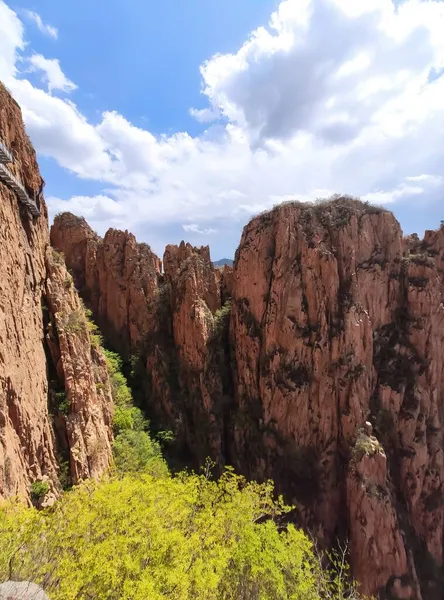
{"points": [[317, 360]]}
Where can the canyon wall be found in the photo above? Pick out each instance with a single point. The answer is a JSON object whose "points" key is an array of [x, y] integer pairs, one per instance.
{"points": [[163, 318], [55, 397], [317, 361], [338, 333]]}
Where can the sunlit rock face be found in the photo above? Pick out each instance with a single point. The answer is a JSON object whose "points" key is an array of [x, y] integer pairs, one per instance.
{"points": [[326, 374], [45, 353]]}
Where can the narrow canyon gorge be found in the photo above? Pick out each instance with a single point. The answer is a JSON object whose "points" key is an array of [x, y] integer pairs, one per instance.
{"points": [[316, 361]]}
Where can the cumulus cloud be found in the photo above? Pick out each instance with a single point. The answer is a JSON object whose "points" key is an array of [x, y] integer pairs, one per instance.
{"points": [[323, 69], [330, 96], [194, 228], [205, 115], [45, 28], [52, 74], [59, 130], [11, 41]]}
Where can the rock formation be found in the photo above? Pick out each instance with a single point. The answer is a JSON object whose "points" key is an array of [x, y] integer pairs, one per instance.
{"points": [[335, 322], [325, 371], [164, 320], [55, 397]]}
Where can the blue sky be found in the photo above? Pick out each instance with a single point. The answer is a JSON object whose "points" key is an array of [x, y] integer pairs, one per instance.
{"points": [[140, 58], [302, 98]]}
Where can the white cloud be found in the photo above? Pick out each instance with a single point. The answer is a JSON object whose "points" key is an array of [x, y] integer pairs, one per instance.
{"points": [[324, 69], [46, 29], [332, 96], [11, 41], [205, 115], [194, 228], [59, 130], [420, 185], [52, 74]]}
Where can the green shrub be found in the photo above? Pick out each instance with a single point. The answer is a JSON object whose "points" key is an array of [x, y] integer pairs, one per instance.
{"points": [[63, 403], [366, 446], [39, 489], [221, 319], [75, 321], [64, 474], [423, 260], [129, 418], [133, 448], [121, 392], [135, 452], [94, 333]]}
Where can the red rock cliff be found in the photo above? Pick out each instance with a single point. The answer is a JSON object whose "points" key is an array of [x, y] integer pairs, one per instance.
{"points": [[54, 423], [330, 379], [335, 324], [165, 321]]}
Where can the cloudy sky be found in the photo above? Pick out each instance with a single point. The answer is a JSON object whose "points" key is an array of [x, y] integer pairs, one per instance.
{"points": [[181, 120]]}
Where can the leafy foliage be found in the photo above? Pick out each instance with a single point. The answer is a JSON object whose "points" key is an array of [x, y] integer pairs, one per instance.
{"points": [[39, 489], [57, 257], [142, 533], [221, 319], [63, 403], [365, 446], [133, 448], [148, 537], [94, 333], [75, 321]]}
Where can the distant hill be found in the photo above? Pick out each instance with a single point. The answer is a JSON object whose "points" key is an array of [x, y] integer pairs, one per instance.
{"points": [[222, 262]]}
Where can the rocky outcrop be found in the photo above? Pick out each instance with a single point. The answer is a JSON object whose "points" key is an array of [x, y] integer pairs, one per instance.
{"points": [[42, 365], [80, 373], [324, 371], [195, 291], [335, 322], [116, 276], [165, 318]]}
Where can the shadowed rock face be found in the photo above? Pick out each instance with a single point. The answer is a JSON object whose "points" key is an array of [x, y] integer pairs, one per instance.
{"points": [[46, 357], [329, 378]]}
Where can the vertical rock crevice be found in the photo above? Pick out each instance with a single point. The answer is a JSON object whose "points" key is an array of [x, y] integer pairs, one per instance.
{"points": [[34, 437]]}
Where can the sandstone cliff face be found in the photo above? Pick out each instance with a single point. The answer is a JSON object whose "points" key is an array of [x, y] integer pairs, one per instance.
{"points": [[195, 288], [329, 378], [334, 324], [116, 276], [35, 437], [163, 320], [79, 370]]}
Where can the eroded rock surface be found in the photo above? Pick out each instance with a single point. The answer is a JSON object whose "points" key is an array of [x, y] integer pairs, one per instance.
{"points": [[336, 322], [335, 325], [116, 276], [38, 441]]}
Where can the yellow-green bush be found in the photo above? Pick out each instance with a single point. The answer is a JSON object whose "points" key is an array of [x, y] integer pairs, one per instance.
{"points": [[143, 537], [143, 534]]}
